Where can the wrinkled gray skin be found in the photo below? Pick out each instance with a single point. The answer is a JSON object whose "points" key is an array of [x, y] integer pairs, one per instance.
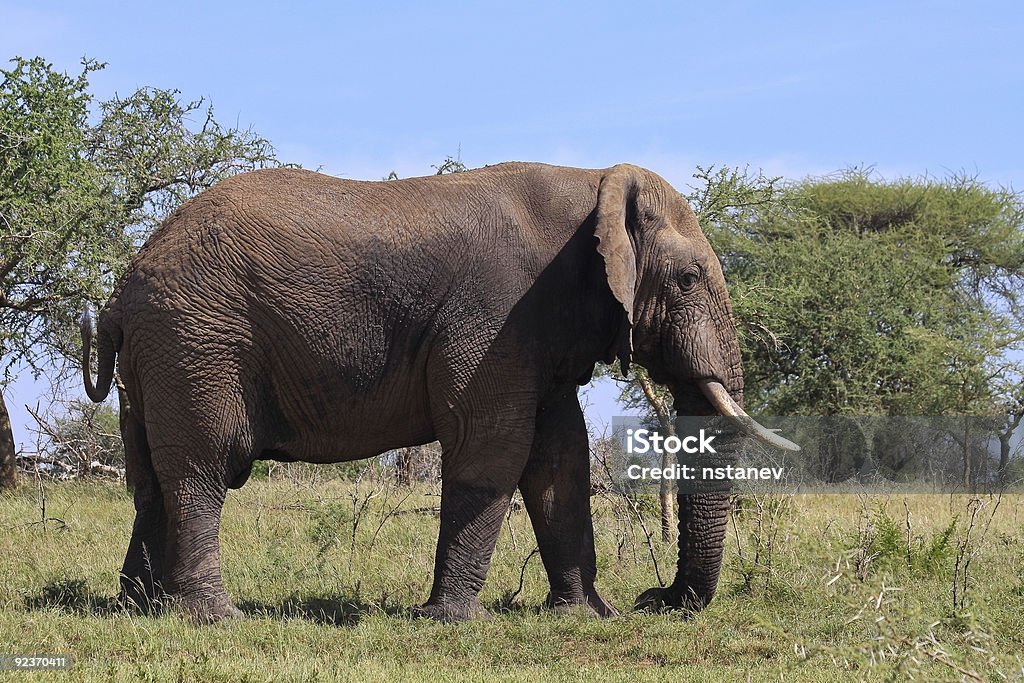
{"points": [[288, 315]]}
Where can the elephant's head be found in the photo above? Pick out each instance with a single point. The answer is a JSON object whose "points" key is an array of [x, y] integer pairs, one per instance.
{"points": [[662, 270]]}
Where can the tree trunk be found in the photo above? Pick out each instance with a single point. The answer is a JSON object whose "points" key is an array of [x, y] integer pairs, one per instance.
{"points": [[1013, 422], [404, 465], [668, 428], [8, 478], [1004, 455], [968, 474]]}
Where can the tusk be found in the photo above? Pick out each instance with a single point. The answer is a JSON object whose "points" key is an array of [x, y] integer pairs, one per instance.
{"points": [[721, 400]]}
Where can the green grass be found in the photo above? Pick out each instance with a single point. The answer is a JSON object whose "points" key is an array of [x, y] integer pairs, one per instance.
{"points": [[821, 588]]}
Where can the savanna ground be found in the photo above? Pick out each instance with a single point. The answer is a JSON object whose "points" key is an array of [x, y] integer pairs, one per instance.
{"points": [[815, 587]]}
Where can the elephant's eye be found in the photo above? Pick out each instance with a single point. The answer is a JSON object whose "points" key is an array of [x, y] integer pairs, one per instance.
{"points": [[689, 280]]}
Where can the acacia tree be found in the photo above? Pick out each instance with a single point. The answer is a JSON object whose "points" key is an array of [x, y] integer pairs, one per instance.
{"points": [[78, 197], [882, 297], [859, 296], [885, 297]]}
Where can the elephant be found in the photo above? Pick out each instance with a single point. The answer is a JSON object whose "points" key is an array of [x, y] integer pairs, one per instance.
{"points": [[287, 315]]}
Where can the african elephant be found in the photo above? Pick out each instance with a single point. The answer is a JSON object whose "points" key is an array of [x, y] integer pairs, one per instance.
{"points": [[288, 315]]}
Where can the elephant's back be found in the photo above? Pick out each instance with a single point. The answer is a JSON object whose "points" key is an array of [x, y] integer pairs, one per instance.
{"points": [[299, 218], [330, 264], [251, 231]]}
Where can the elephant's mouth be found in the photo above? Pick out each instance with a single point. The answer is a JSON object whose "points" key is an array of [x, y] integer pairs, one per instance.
{"points": [[719, 398]]}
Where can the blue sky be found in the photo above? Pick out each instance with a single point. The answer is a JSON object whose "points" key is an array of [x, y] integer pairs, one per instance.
{"points": [[361, 89]]}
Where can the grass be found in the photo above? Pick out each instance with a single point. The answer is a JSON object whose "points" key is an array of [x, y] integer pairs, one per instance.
{"points": [[815, 587]]}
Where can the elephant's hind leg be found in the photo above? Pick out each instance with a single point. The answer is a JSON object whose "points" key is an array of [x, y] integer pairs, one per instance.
{"points": [[194, 467], [142, 572], [556, 490], [194, 501]]}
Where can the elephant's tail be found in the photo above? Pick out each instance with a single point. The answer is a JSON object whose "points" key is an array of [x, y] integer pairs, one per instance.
{"points": [[106, 350]]}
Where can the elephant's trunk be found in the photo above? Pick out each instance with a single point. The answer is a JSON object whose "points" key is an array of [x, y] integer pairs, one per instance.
{"points": [[703, 516], [702, 525], [704, 503]]}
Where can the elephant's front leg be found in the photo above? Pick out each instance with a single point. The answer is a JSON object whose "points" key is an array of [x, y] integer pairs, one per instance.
{"points": [[478, 474], [556, 489]]}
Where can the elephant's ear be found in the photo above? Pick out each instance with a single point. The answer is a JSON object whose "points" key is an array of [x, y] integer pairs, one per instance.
{"points": [[616, 194]]}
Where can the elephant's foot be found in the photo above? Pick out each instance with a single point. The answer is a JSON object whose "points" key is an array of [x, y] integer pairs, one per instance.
{"points": [[206, 607], [588, 602], [666, 599], [139, 593], [449, 611]]}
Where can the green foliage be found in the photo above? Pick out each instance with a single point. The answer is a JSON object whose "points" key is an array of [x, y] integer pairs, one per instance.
{"points": [[260, 469], [861, 296], [153, 158], [885, 545], [450, 165], [330, 520], [70, 594], [57, 236], [77, 198], [934, 556], [350, 470], [888, 541], [632, 396]]}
